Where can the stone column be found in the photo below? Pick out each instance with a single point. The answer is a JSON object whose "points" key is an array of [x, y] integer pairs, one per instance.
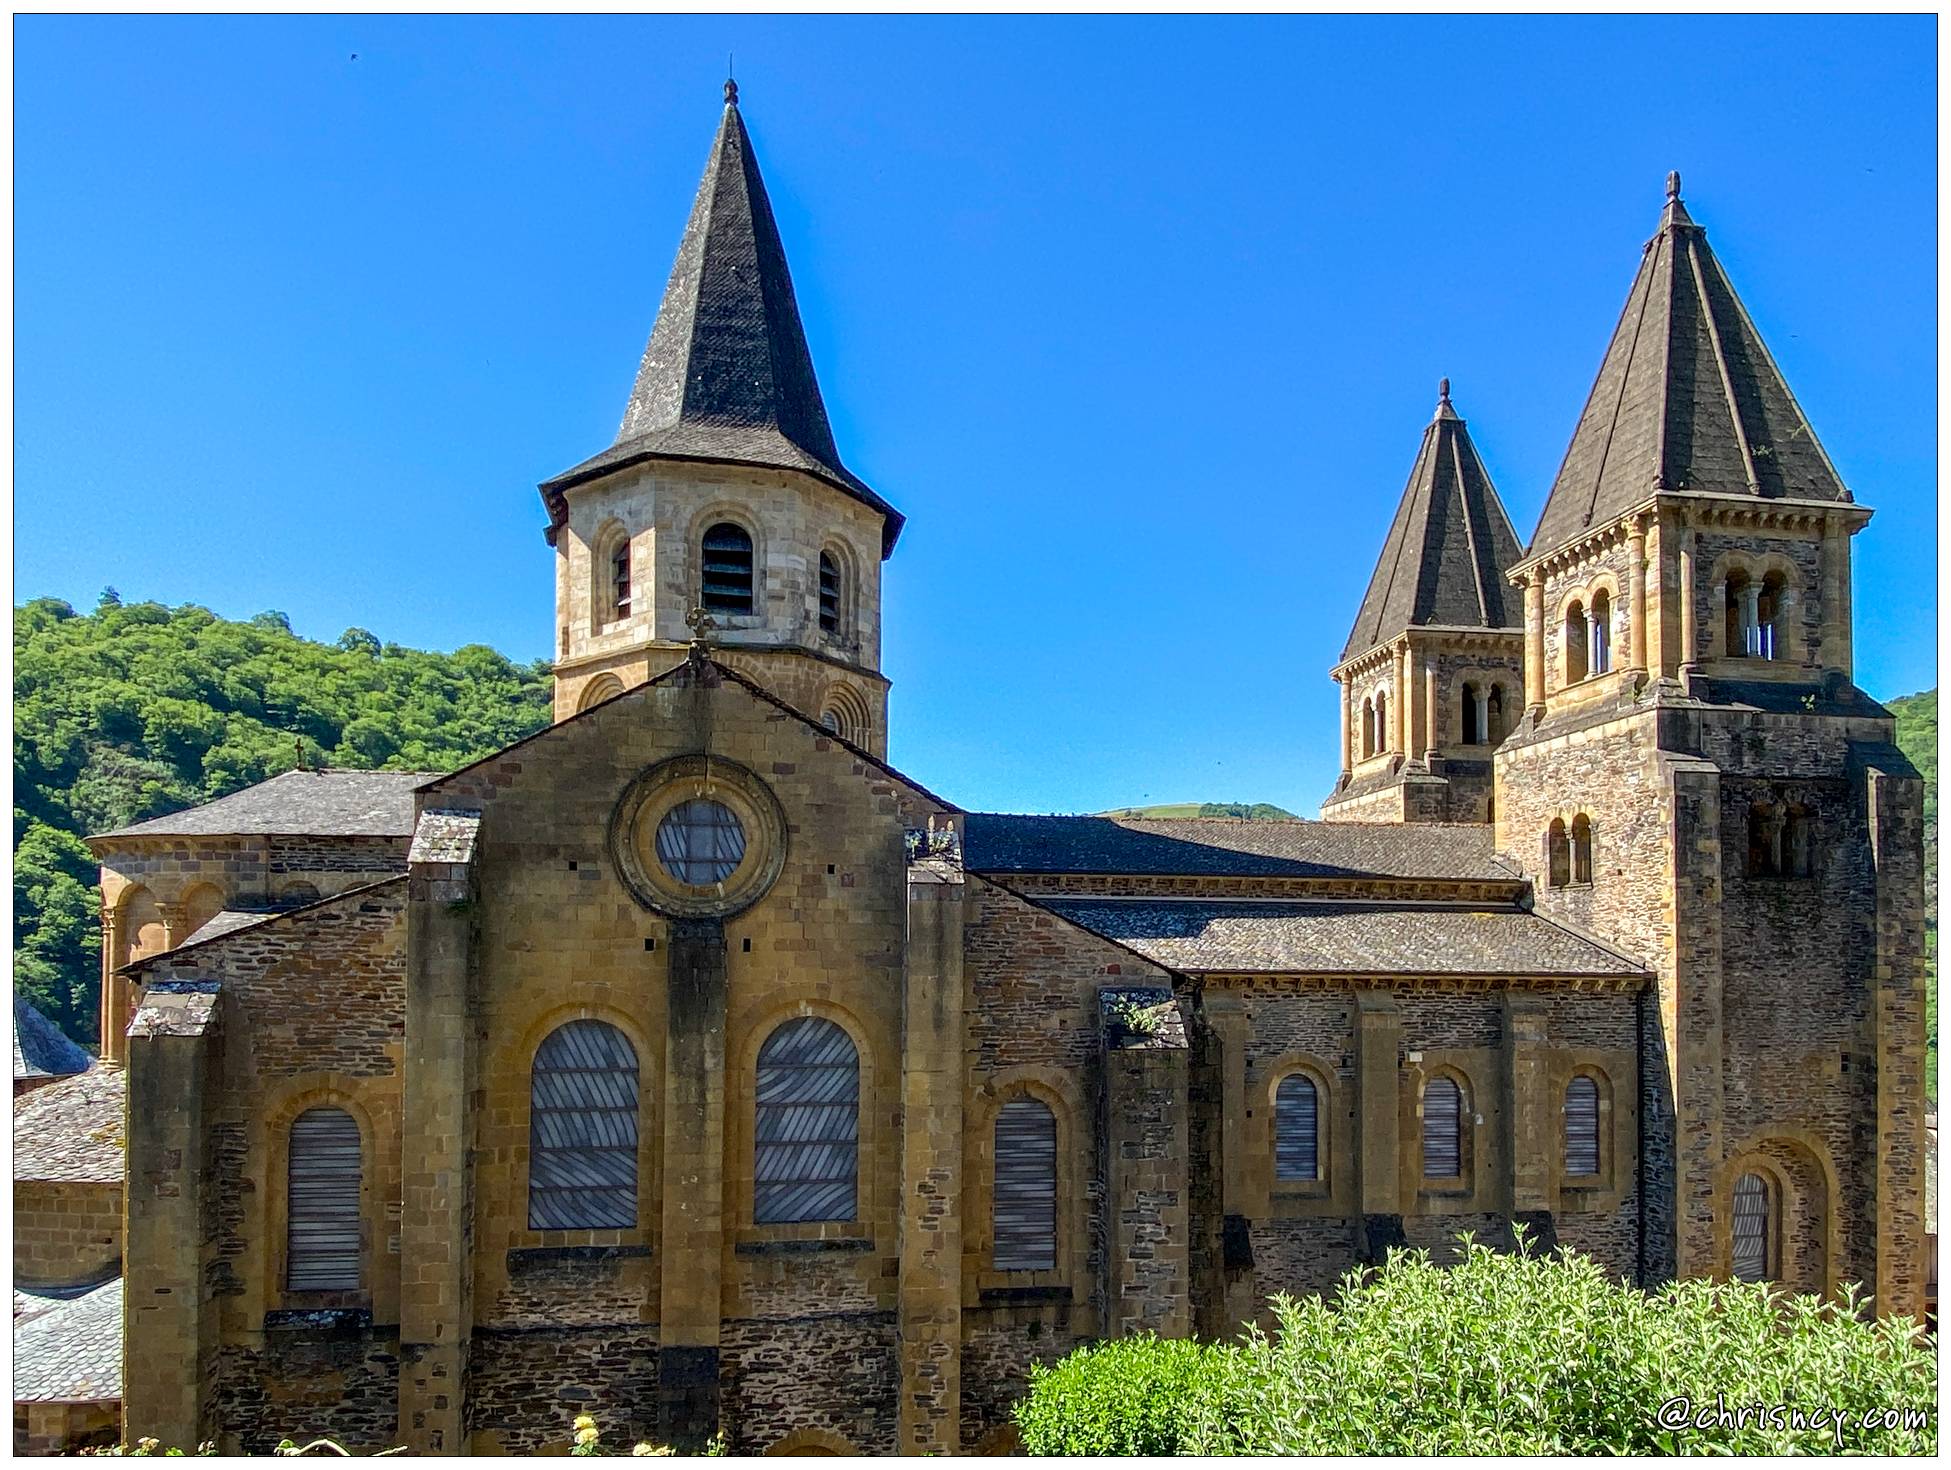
{"points": [[1414, 717], [1481, 714], [1432, 711], [1689, 650], [169, 1322], [437, 1127], [1845, 616], [174, 916], [1226, 1015], [691, 1281], [1347, 728], [1534, 644], [1751, 619], [114, 1002], [930, 1284], [1638, 611], [1398, 700]]}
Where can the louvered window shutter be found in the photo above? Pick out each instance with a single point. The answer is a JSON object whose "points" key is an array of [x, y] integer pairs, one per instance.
{"points": [[806, 1132], [1442, 1130], [1752, 1229], [322, 1215], [1582, 1127], [1026, 1186], [728, 569], [582, 1130], [1297, 1153]]}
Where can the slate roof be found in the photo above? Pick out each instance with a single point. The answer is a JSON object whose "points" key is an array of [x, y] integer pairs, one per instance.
{"points": [[327, 803], [1687, 398], [71, 1131], [40, 1048], [1333, 937], [1000, 843], [1448, 549], [72, 1352], [727, 376], [229, 921]]}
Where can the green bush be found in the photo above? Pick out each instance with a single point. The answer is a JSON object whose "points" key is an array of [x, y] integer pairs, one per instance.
{"points": [[1504, 1354], [1135, 1396]]}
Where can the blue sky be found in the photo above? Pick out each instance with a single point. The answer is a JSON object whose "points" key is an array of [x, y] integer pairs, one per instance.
{"points": [[1138, 320]]}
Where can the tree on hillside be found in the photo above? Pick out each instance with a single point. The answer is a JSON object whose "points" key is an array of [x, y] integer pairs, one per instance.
{"points": [[137, 709]]}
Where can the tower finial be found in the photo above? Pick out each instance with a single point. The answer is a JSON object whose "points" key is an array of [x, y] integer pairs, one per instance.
{"points": [[731, 87], [1443, 391], [1673, 184]]}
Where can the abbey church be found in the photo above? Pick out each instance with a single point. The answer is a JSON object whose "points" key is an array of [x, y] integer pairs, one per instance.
{"points": [[687, 1064]]}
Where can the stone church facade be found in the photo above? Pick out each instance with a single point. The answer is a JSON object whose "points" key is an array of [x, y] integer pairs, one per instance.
{"points": [[688, 1064]]}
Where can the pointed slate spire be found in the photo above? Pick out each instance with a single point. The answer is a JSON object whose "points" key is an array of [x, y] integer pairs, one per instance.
{"points": [[1687, 398], [1448, 548], [727, 376]]}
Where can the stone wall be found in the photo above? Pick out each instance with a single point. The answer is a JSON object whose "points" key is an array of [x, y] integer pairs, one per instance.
{"points": [[309, 1380], [528, 1384], [66, 1232], [837, 1373]]}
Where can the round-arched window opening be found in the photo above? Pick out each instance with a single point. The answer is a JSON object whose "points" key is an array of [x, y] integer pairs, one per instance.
{"points": [[700, 842]]}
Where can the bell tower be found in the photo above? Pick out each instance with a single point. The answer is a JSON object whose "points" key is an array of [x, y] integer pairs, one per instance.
{"points": [[724, 490]]}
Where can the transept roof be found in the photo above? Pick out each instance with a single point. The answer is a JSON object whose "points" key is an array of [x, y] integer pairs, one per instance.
{"points": [[1687, 399]]}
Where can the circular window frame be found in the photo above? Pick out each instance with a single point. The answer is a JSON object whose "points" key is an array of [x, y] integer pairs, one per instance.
{"points": [[655, 793]]}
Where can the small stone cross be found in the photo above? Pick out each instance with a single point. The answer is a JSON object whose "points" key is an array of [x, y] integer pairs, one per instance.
{"points": [[702, 624]]}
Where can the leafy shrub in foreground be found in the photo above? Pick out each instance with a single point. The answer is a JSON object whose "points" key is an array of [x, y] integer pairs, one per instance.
{"points": [[1504, 1354]]}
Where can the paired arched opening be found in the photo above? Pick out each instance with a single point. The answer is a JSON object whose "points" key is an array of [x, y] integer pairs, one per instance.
{"points": [[1568, 851], [1781, 840], [1755, 613], [1483, 713]]}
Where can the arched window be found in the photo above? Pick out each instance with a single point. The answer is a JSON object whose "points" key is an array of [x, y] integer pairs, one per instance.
{"points": [[1581, 1127], [1558, 854], [620, 580], [1297, 1129], [322, 1204], [1575, 663], [1470, 714], [1742, 597], [829, 593], [806, 1129], [1753, 1232], [1494, 715], [1798, 843], [1581, 848], [1026, 1186], [1442, 1129], [582, 1130], [1383, 734], [1764, 840], [728, 570], [1368, 728], [1601, 639]]}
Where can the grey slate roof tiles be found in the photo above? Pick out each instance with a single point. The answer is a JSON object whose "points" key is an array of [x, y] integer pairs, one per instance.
{"points": [[1332, 937], [1448, 549], [999, 843], [71, 1131], [72, 1351], [1687, 399], [327, 803], [40, 1048], [727, 375]]}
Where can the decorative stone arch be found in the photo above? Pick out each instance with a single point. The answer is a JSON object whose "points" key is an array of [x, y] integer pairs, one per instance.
{"points": [[1463, 1182], [811, 1442], [297, 893], [1326, 1109], [603, 545], [602, 688], [844, 711], [201, 902], [1057, 1090], [140, 928], [740, 514], [742, 1123], [283, 1105], [1574, 651], [1797, 1167]]}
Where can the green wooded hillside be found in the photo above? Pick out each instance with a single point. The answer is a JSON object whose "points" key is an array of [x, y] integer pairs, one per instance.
{"points": [[131, 711]]}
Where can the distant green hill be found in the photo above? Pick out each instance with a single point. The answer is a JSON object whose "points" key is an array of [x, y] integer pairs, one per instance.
{"points": [[1917, 738], [1238, 811]]}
